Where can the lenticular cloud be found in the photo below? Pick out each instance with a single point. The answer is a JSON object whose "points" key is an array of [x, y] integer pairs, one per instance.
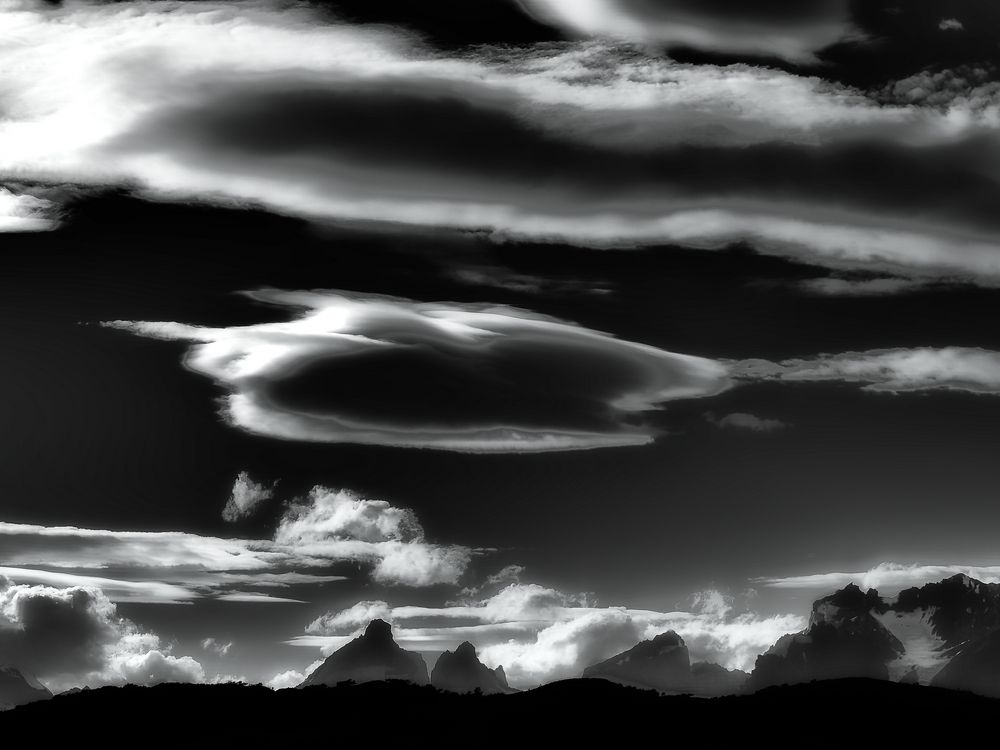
{"points": [[387, 371]]}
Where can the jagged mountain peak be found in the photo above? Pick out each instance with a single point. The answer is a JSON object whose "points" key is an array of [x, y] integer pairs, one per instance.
{"points": [[372, 656], [460, 671]]}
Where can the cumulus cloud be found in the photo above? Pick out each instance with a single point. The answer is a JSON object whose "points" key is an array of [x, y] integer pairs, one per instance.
{"points": [[478, 378], [71, 637], [292, 677], [240, 103], [887, 577], [951, 24], [245, 498], [743, 421], [889, 370], [791, 30], [540, 634], [326, 529]]}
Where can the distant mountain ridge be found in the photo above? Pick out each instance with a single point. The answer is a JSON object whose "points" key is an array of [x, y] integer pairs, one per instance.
{"points": [[664, 664], [944, 634], [18, 688]]}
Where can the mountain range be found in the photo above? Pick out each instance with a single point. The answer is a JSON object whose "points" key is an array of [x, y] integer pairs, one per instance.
{"points": [[18, 688], [664, 664], [945, 634]]}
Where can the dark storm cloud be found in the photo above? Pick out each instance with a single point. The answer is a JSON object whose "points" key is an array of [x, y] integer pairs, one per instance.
{"points": [[479, 378]]}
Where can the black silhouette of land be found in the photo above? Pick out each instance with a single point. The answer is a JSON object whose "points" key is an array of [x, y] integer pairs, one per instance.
{"points": [[845, 713]]}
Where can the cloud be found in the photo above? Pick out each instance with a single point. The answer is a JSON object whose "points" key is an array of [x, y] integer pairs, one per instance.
{"points": [[889, 370], [240, 104], [326, 529], [837, 287], [70, 637], [24, 213], [478, 378], [951, 24], [791, 30], [885, 576], [540, 634], [743, 421], [246, 497], [216, 647], [350, 620], [118, 590], [291, 678]]}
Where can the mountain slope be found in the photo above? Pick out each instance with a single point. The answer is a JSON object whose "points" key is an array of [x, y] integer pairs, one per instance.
{"points": [[370, 657], [664, 664], [460, 671], [942, 633], [16, 688]]}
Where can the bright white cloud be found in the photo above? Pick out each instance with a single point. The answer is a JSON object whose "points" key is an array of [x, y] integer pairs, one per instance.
{"points": [[245, 498], [327, 528], [23, 213], [332, 326], [118, 590], [889, 370], [679, 24]]}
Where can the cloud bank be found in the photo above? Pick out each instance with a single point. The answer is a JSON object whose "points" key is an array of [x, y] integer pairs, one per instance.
{"points": [[955, 368], [588, 143], [540, 634], [73, 637], [328, 529]]}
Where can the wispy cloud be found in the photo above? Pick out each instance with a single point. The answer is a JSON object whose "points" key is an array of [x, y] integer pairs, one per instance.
{"points": [[887, 577], [325, 530]]}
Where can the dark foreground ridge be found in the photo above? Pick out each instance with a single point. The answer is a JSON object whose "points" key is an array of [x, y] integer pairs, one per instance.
{"points": [[818, 714]]}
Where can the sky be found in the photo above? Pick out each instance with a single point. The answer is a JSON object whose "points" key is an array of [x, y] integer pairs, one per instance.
{"points": [[549, 325]]}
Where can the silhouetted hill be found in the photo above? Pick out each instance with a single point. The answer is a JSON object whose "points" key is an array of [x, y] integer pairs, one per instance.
{"points": [[664, 664], [460, 671], [17, 688], [369, 657], [834, 713]]}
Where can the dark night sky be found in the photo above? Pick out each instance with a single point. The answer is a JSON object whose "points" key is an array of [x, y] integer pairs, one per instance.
{"points": [[106, 430]]}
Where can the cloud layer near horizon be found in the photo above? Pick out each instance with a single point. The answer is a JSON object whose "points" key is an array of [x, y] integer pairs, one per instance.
{"points": [[74, 637], [587, 143], [314, 537], [539, 634]]}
